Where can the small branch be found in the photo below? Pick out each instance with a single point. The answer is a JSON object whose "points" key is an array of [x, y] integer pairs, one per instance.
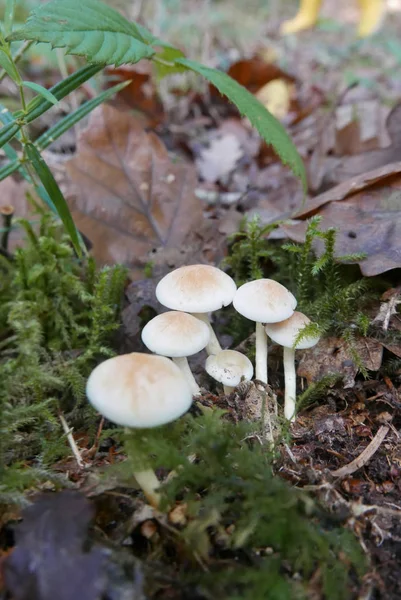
{"points": [[17, 56], [365, 456], [7, 213], [71, 441]]}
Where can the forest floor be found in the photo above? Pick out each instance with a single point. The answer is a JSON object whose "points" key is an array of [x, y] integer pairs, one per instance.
{"points": [[340, 100]]}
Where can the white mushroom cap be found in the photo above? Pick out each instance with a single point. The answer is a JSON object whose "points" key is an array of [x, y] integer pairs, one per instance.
{"points": [[264, 301], [229, 367], [285, 332], [175, 334], [196, 289], [139, 390]]}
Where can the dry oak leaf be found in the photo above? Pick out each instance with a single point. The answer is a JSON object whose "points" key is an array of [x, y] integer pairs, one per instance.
{"points": [[366, 212], [129, 196], [333, 356]]}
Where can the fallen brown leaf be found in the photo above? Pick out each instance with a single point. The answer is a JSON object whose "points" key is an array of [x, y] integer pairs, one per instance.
{"points": [[255, 72], [332, 356], [366, 213], [130, 196], [141, 94]]}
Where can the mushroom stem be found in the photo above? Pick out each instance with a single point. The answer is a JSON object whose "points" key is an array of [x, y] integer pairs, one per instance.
{"points": [[182, 364], [290, 383], [228, 389], [261, 353], [213, 346], [149, 482], [146, 478]]}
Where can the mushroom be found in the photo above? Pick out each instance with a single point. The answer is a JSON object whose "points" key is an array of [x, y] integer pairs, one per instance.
{"points": [[229, 367], [197, 289], [177, 335], [139, 391], [263, 301], [285, 334]]}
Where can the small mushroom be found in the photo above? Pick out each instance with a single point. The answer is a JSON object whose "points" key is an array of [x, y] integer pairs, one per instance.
{"points": [[197, 289], [177, 335], [263, 301], [285, 334], [229, 367], [139, 391]]}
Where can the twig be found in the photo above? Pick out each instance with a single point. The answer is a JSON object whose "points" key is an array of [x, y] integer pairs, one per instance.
{"points": [[365, 456], [92, 451], [71, 441], [7, 213], [17, 56]]}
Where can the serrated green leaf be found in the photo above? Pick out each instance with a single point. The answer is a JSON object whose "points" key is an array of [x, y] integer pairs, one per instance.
{"points": [[54, 192], [73, 118], [166, 62], [39, 105], [268, 127], [39, 89], [87, 28], [8, 66]]}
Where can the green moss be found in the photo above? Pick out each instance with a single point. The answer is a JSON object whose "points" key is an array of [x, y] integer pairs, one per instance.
{"points": [[330, 290], [57, 318], [246, 533]]}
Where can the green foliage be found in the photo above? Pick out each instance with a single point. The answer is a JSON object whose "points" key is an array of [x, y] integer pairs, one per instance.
{"points": [[324, 289], [247, 534], [269, 128], [49, 183], [57, 317], [94, 30], [90, 28], [249, 252], [316, 391], [328, 290]]}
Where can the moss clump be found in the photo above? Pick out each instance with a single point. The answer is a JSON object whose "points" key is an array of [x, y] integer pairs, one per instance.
{"points": [[57, 316], [243, 532]]}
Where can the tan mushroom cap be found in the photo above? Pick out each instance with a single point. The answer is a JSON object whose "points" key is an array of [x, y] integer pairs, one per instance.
{"points": [[285, 332], [139, 390], [175, 334], [264, 301], [229, 367], [196, 289]]}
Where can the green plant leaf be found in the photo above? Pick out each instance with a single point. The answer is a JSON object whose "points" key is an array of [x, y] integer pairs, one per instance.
{"points": [[87, 28], [40, 105], [268, 127], [8, 132], [9, 169], [73, 118], [53, 134], [55, 194], [166, 62], [36, 87], [6, 118], [8, 66], [9, 16]]}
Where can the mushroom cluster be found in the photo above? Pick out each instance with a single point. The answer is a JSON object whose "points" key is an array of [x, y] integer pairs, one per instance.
{"points": [[143, 391]]}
